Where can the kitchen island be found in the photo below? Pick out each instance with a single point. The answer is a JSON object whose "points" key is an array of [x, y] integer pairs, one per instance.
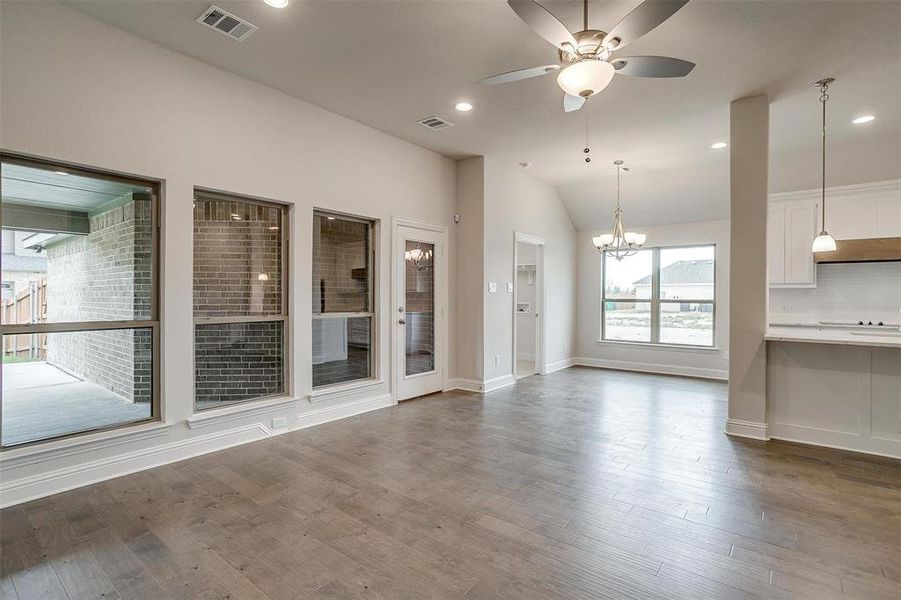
{"points": [[837, 386]]}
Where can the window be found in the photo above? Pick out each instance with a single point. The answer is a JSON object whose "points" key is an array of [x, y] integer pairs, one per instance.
{"points": [[660, 296], [240, 300], [343, 313], [78, 315]]}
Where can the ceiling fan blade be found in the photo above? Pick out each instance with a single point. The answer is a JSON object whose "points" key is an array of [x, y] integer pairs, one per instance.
{"points": [[519, 74], [645, 17], [652, 66], [542, 22], [572, 103]]}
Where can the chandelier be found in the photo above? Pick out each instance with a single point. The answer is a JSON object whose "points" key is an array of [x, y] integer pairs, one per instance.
{"points": [[620, 243], [419, 258]]}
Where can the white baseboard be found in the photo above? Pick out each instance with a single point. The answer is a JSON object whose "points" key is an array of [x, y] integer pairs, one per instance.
{"points": [[342, 411], [86, 473], [619, 365], [499, 382], [467, 385], [747, 429], [559, 365], [481, 387]]}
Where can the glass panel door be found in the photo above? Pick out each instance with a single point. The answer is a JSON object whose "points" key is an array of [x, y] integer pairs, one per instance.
{"points": [[419, 302]]}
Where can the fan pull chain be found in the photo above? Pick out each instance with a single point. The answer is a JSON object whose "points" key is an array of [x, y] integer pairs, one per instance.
{"points": [[587, 149]]}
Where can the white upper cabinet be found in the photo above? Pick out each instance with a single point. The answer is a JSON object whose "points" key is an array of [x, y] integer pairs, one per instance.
{"points": [[869, 210], [791, 227]]}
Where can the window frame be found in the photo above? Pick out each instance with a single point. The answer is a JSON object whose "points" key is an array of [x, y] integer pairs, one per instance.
{"points": [[372, 314], [284, 315], [152, 323], [656, 302]]}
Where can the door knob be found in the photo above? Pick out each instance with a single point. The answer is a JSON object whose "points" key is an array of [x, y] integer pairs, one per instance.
{"points": [[402, 321]]}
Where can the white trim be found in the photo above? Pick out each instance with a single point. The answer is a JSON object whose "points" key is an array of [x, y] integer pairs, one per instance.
{"points": [[525, 356], [857, 189], [67, 478], [334, 413], [659, 346], [875, 447], [352, 388], [561, 364], [660, 369], [747, 429], [226, 414], [480, 387], [498, 382], [540, 299], [467, 385], [15, 458]]}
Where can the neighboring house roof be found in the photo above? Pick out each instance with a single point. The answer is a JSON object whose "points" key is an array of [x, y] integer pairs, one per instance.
{"points": [[683, 272], [29, 264]]}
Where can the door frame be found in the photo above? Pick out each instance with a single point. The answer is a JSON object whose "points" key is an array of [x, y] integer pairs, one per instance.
{"points": [[541, 329], [441, 262]]}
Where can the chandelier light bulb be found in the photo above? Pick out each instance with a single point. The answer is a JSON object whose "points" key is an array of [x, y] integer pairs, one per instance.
{"points": [[586, 77]]}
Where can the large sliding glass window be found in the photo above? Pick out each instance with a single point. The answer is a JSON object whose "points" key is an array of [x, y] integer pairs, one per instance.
{"points": [[343, 313], [660, 296], [78, 315], [240, 300]]}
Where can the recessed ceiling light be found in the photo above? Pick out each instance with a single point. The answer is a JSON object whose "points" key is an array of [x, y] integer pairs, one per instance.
{"points": [[60, 172], [719, 145], [864, 119], [236, 217], [277, 3], [330, 218], [463, 106]]}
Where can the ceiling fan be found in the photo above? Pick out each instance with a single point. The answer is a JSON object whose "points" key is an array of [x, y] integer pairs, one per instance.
{"points": [[586, 61]]}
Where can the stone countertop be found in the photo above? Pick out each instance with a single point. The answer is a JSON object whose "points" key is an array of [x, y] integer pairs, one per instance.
{"points": [[821, 334]]}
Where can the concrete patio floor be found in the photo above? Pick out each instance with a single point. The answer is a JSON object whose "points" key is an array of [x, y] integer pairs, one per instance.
{"points": [[41, 401]]}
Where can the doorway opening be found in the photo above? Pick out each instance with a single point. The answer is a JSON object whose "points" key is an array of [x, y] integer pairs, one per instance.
{"points": [[528, 303]]}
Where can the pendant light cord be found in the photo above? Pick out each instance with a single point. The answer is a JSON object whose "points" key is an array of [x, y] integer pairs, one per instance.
{"points": [[585, 14], [824, 96]]}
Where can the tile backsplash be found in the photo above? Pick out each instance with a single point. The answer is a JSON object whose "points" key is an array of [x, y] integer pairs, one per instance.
{"points": [[844, 292]]}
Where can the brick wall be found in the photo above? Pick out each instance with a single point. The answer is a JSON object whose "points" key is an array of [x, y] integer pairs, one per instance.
{"points": [[105, 276], [237, 272]]}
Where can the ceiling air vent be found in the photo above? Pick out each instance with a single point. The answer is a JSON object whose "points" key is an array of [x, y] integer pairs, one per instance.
{"points": [[227, 23], [434, 123]]}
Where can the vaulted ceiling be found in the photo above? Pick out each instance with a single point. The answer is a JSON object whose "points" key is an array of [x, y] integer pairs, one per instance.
{"points": [[388, 64]]}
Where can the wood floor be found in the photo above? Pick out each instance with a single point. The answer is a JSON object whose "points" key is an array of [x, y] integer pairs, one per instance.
{"points": [[581, 484]]}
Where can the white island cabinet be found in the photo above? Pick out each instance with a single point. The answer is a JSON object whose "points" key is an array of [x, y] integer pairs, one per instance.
{"points": [[835, 389]]}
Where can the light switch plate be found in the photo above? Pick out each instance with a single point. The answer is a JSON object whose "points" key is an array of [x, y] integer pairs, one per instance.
{"points": [[509, 286], [492, 287]]}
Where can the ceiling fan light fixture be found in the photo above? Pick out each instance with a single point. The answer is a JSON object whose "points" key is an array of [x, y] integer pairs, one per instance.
{"points": [[586, 77]]}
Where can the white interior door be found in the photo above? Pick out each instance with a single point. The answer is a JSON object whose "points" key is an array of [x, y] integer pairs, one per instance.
{"points": [[420, 267]]}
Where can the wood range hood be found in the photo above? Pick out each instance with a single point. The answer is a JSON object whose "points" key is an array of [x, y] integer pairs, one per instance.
{"points": [[862, 250]]}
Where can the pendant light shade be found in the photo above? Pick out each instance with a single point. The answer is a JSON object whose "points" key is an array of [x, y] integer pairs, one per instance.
{"points": [[585, 78], [824, 242]]}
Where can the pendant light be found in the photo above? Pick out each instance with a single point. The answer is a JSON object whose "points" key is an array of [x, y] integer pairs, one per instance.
{"points": [[620, 243], [824, 242]]}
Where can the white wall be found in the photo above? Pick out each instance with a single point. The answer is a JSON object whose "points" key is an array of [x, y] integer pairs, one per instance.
{"points": [[515, 202], [466, 299], [844, 292], [76, 90], [695, 362]]}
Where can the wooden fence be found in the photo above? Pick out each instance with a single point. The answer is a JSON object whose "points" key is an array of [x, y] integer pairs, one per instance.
{"points": [[29, 306]]}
